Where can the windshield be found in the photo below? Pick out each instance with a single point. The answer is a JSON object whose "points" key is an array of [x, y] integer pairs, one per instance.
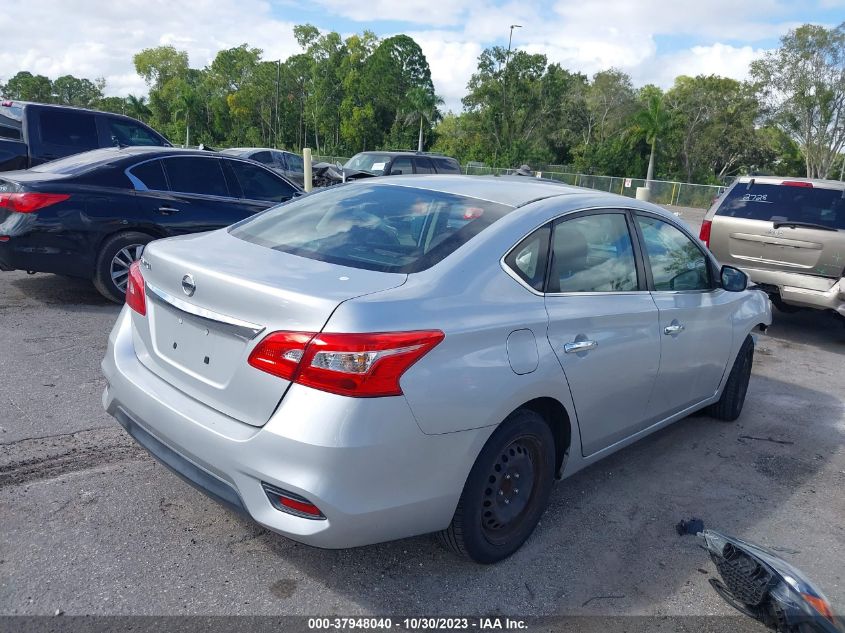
{"points": [[368, 162], [785, 203], [373, 226]]}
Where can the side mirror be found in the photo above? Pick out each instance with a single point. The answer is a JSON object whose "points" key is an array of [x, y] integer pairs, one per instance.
{"points": [[733, 279]]}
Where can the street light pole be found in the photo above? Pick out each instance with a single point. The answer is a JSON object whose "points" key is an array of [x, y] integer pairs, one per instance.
{"points": [[278, 77], [505, 117], [510, 41]]}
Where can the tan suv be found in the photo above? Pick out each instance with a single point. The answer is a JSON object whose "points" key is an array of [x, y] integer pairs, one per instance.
{"points": [[788, 235]]}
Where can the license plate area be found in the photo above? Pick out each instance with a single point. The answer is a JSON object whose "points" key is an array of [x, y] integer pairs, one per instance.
{"points": [[195, 345]]}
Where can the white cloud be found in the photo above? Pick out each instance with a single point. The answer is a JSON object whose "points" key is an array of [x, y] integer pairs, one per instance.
{"points": [[88, 40], [93, 39]]}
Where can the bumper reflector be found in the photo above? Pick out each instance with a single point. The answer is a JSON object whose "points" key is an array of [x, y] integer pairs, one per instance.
{"points": [[291, 503]]}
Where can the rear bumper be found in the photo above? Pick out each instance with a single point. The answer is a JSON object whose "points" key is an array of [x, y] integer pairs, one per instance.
{"points": [[809, 291], [28, 253], [363, 462]]}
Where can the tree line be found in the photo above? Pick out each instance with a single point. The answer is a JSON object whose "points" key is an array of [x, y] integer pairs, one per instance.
{"points": [[340, 96]]}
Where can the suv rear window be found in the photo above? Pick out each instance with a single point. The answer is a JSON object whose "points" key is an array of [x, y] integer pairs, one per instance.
{"points": [[785, 203], [373, 226]]}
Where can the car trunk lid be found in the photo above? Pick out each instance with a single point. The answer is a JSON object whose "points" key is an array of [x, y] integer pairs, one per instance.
{"points": [[211, 297]]}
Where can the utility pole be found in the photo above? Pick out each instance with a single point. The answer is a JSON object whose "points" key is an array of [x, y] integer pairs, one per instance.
{"points": [[505, 117], [278, 78], [510, 40]]}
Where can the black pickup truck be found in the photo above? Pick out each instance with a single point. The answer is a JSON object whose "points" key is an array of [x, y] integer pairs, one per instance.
{"points": [[34, 133]]}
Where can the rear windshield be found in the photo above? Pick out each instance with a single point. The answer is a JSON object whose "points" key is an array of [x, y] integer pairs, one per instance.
{"points": [[372, 226], [368, 162], [785, 203], [78, 163]]}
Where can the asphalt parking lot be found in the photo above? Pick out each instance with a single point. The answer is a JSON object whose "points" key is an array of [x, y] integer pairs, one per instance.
{"points": [[92, 525]]}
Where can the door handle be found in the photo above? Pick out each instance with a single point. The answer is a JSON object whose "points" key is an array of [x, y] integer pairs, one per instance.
{"points": [[580, 346], [675, 328], [167, 210]]}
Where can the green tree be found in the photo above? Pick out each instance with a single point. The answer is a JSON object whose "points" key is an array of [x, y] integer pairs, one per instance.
{"points": [[28, 87], [421, 104], [137, 107], [73, 91], [802, 84]]}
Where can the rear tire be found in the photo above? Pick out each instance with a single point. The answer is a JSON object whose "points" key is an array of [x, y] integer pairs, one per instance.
{"points": [[112, 267], [506, 492], [729, 406]]}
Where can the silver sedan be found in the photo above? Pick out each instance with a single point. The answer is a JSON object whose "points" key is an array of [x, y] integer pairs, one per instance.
{"points": [[420, 354]]}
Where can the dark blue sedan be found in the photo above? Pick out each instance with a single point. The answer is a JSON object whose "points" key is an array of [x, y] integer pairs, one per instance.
{"points": [[90, 215]]}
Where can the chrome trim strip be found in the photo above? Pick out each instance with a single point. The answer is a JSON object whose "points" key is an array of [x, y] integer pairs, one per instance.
{"points": [[241, 329]]}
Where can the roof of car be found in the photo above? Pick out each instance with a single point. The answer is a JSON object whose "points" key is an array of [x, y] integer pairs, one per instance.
{"points": [[405, 152], [256, 149], [777, 180], [513, 191]]}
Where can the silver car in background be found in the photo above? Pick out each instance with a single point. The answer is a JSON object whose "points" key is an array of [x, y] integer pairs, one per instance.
{"points": [[415, 354]]}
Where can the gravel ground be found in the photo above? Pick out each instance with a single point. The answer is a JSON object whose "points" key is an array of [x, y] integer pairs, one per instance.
{"points": [[92, 525]]}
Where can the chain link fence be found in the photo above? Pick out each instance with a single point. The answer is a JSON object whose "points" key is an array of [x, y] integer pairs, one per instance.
{"points": [[683, 194], [668, 192]]}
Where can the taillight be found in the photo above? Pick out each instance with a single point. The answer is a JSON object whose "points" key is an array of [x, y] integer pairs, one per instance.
{"points": [[704, 233], [797, 183], [358, 365], [135, 297], [30, 201]]}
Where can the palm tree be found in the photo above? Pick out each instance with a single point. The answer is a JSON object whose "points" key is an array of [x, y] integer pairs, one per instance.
{"points": [[650, 123], [421, 103], [186, 101], [136, 107]]}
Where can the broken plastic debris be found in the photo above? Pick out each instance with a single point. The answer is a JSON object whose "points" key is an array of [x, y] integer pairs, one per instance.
{"points": [[691, 526]]}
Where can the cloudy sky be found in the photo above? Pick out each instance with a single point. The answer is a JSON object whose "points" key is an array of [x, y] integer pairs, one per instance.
{"points": [[652, 40]]}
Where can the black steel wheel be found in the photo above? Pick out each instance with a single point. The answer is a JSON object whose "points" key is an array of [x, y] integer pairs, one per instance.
{"points": [[506, 492]]}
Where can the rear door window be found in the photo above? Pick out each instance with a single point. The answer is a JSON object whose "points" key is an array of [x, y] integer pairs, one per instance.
{"points": [[149, 175], [593, 253], [446, 165], [423, 166], [68, 128], [401, 165], [373, 226], [260, 184], [785, 203], [195, 174]]}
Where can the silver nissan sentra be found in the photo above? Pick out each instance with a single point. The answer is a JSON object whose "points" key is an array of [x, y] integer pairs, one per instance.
{"points": [[417, 354]]}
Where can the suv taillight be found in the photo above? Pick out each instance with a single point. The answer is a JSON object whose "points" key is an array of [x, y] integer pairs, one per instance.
{"points": [[135, 287], [704, 234], [358, 365], [30, 201]]}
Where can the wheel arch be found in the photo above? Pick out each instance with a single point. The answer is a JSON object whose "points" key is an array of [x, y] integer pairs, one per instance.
{"points": [[558, 419]]}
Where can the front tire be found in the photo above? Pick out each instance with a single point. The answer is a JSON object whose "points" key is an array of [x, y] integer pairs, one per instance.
{"points": [[112, 267], [729, 406], [506, 492]]}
